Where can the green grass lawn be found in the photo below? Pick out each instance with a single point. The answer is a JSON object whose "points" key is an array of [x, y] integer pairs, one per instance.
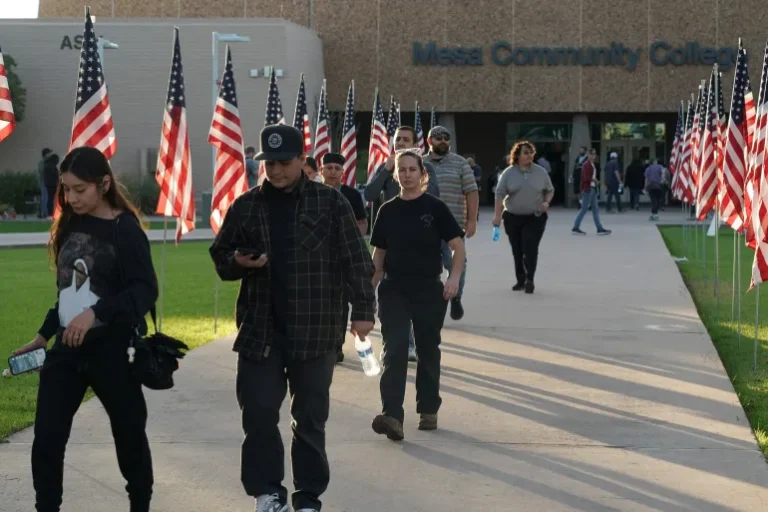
{"points": [[30, 290], [751, 386], [41, 226]]}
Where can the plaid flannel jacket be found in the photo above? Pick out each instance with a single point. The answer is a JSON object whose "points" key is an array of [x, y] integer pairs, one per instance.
{"points": [[329, 254]]}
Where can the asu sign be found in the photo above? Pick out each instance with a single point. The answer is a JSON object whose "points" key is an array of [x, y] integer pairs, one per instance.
{"points": [[503, 53]]}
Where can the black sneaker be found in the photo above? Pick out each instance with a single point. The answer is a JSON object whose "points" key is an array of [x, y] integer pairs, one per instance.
{"points": [[577, 231], [457, 310], [388, 426], [518, 287], [604, 232], [339, 356], [529, 287]]}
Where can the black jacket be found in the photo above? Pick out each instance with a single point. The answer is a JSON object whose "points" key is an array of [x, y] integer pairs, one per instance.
{"points": [[51, 171], [330, 254]]}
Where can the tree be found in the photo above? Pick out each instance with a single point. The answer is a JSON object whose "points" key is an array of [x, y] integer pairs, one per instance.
{"points": [[18, 92]]}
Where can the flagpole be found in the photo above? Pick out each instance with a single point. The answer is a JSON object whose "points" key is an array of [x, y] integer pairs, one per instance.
{"points": [[757, 323], [161, 298], [716, 152], [738, 264], [704, 248], [733, 287]]}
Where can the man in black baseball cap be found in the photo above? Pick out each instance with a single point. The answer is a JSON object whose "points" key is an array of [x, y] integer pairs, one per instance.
{"points": [[289, 316]]}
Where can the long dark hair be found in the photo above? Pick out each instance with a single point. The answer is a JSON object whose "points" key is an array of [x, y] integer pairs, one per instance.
{"points": [[90, 165], [514, 155]]}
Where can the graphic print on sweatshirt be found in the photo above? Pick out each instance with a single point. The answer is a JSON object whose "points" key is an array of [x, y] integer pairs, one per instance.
{"points": [[85, 268]]}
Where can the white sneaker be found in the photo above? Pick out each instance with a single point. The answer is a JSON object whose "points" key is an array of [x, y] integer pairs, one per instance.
{"points": [[270, 503], [412, 354]]}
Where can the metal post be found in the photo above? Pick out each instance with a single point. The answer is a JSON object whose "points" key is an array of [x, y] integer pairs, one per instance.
{"points": [[704, 247], [696, 239], [738, 271], [757, 323], [733, 287], [717, 253], [161, 312]]}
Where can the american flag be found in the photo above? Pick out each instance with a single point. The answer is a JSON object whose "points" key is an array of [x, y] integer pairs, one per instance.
{"points": [[419, 130], [378, 151], [392, 123], [706, 198], [92, 123], [735, 151], [7, 119], [432, 119], [322, 135], [226, 134], [174, 168], [274, 114], [698, 132], [676, 142], [301, 117], [721, 127], [759, 199], [349, 140], [685, 183]]}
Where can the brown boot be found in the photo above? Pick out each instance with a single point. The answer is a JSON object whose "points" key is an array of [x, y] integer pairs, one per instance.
{"points": [[428, 422], [388, 426]]}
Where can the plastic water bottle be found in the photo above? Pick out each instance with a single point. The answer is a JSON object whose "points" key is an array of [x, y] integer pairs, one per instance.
{"points": [[365, 351], [495, 233]]}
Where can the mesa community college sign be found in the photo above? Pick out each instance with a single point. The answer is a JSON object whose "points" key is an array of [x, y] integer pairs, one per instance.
{"points": [[503, 53]]}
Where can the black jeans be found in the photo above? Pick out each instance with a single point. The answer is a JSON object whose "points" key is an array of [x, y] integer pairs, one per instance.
{"points": [[401, 303], [656, 194], [525, 232], [613, 192], [261, 388], [63, 381]]}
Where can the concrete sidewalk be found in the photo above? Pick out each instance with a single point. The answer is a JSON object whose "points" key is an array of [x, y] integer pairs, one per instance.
{"points": [[600, 392]]}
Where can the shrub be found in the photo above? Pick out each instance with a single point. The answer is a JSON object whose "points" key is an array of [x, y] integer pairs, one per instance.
{"points": [[16, 188], [143, 191], [18, 92]]}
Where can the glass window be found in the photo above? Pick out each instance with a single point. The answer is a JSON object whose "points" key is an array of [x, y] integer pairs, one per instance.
{"points": [[596, 131], [542, 132], [661, 131], [627, 131], [661, 152]]}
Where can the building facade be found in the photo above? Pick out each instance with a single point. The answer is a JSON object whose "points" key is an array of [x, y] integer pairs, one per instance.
{"points": [[563, 73]]}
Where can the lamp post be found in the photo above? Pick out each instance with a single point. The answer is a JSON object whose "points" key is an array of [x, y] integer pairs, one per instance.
{"points": [[215, 38], [105, 44]]}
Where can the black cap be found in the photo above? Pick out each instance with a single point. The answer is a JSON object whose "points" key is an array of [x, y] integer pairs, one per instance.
{"points": [[280, 142], [333, 158]]}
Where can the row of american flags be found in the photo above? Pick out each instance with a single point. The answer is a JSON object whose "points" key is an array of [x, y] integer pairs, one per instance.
{"points": [[93, 126], [719, 164]]}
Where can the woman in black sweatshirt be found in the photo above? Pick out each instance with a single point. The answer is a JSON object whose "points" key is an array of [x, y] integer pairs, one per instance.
{"points": [[106, 285]]}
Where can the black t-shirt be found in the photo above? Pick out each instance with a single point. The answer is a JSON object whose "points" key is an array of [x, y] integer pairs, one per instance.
{"points": [[412, 233], [105, 265], [356, 200], [282, 221]]}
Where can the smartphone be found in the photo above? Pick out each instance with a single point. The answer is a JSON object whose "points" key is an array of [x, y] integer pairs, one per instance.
{"points": [[26, 362], [253, 253]]}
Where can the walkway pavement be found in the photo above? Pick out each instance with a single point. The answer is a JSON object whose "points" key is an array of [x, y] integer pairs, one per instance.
{"points": [[601, 392]]}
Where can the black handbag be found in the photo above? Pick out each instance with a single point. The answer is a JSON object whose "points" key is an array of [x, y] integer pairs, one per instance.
{"points": [[153, 358]]}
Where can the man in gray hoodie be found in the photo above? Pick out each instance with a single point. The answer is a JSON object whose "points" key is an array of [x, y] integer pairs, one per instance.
{"points": [[383, 181]]}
